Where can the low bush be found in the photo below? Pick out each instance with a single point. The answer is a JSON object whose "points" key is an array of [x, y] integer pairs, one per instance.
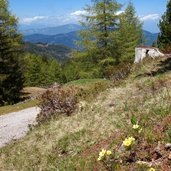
{"points": [[121, 71], [90, 92], [55, 101], [63, 100]]}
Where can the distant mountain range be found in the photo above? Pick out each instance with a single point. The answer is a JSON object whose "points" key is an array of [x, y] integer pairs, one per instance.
{"points": [[66, 35], [150, 37], [67, 39], [53, 30]]}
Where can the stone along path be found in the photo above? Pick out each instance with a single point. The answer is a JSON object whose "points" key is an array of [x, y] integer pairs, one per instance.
{"points": [[15, 125]]}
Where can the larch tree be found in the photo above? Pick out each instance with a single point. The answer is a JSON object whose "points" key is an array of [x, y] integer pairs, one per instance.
{"points": [[164, 38], [129, 33], [100, 21], [11, 75]]}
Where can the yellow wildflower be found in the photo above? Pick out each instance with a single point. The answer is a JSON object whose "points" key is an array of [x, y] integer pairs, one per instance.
{"points": [[128, 141], [99, 159], [151, 169], [140, 131], [136, 126], [102, 153], [131, 139], [109, 152]]}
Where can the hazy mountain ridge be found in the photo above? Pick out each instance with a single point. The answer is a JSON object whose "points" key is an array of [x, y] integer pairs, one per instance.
{"points": [[52, 30], [69, 39], [150, 37]]}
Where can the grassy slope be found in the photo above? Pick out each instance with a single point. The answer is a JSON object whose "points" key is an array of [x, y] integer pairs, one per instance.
{"points": [[17, 107], [28, 91], [84, 82], [73, 143]]}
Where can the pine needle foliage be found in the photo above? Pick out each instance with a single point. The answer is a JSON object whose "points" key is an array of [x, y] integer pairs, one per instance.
{"points": [[164, 38], [11, 77]]}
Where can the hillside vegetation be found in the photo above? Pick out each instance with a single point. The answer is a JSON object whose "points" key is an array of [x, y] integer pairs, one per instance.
{"points": [[59, 52], [73, 143]]}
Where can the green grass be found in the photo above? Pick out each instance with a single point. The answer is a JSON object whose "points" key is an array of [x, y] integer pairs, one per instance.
{"points": [[73, 143], [17, 107], [27, 91], [84, 82]]}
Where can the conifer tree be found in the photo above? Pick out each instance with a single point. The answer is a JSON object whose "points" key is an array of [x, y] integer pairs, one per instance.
{"points": [[100, 21], [129, 33], [164, 38], [11, 77]]}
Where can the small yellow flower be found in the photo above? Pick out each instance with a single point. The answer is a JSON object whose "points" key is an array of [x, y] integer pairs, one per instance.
{"points": [[152, 169], [140, 131], [131, 139], [136, 126], [128, 141], [99, 159], [109, 152], [102, 153]]}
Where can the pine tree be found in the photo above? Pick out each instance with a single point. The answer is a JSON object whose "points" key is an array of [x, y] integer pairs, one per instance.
{"points": [[164, 38], [129, 33], [11, 77], [100, 21]]}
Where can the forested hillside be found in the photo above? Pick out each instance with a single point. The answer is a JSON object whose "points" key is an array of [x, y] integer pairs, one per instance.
{"points": [[67, 39], [59, 52]]}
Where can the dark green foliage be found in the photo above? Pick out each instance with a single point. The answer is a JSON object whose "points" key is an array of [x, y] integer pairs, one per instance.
{"points": [[96, 41], [154, 44], [57, 101], [164, 38], [129, 34], [41, 71], [11, 77], [59, 52], [120, 71], [109, 39]]}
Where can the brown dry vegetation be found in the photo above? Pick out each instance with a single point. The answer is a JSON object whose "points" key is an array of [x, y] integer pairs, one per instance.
{"points": [[73, 143]]}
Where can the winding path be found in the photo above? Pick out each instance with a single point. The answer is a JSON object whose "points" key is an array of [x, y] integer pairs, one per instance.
{"points": [[15, 125]]}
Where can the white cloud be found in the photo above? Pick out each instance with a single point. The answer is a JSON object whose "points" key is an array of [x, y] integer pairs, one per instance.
{"points": [[33, 19], [119, 12], [150, 17], [79, 13]]}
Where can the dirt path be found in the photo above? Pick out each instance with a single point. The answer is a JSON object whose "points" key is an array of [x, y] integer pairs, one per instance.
{"points": [[15, 125]]}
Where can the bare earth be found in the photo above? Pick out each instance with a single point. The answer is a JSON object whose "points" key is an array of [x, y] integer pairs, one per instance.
{"points": [[15, 125]]}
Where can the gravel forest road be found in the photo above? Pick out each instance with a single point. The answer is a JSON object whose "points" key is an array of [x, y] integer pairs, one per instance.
{"points": [[15, 125]]}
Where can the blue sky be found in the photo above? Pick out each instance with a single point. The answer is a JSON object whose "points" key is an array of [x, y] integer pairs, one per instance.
{"points": [[43, 13]]}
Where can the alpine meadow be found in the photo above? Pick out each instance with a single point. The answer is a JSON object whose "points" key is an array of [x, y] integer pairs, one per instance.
{"points": [[85, 85]]}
